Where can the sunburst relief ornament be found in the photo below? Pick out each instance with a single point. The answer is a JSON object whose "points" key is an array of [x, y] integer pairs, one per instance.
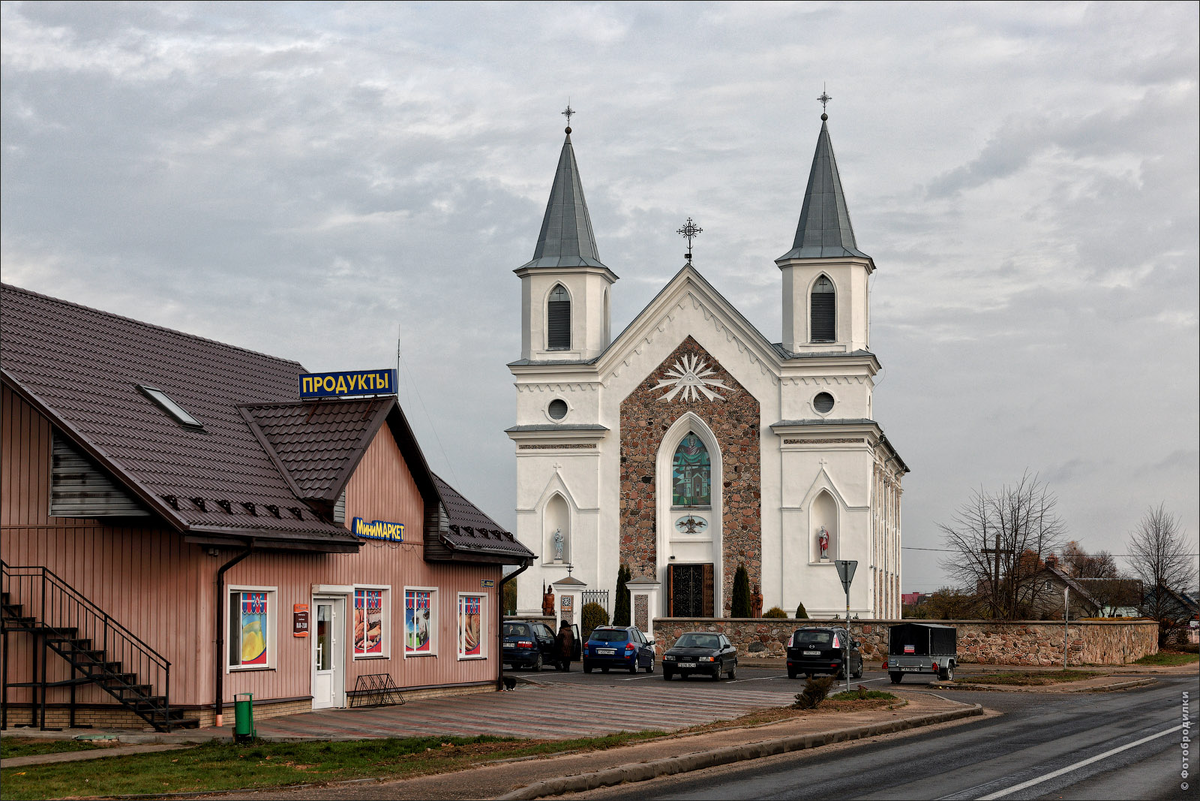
{"points": [[689, 376]]}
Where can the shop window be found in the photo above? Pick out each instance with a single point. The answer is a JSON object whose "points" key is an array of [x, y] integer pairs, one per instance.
{"points": [[472, 626], [420, 621], [251, 627], [371, 630], [691, 473]]}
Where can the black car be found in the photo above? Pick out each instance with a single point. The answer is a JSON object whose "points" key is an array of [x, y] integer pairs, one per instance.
{"points": [[701, 652], [822, 650], [621, 647], [529, 644]]}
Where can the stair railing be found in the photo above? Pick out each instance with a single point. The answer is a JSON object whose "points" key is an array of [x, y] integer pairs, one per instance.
{"points": [[133, 671]]}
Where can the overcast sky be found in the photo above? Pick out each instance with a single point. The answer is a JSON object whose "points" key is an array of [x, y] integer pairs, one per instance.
{"points": [[301, 179]]}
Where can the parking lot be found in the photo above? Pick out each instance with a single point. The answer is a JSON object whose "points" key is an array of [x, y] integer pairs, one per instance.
{"points": [[564, 705]]}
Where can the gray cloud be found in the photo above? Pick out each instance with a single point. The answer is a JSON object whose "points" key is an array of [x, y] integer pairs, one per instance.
{"points": [[304, 179]]}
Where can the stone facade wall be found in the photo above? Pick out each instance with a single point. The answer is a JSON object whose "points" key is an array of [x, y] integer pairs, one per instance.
{"points": [[735, 422], [1020, 642]]}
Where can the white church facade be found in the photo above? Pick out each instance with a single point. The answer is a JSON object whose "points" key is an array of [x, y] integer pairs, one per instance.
{"points": [[691, 444]]}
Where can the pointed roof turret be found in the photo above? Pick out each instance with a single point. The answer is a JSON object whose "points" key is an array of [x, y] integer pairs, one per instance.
{"points": [[566, 239], [824, 230]]}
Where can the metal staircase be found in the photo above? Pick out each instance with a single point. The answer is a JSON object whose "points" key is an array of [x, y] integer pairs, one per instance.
{"points": [[98, 649]]}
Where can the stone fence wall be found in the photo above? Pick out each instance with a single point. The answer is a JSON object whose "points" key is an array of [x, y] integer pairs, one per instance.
{"points": [[1020, 642]]}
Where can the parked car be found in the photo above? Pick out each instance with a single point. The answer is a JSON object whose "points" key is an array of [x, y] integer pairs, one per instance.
{"points": [[529, 644], [618, 647], [921, 648], [701, 652], [822, 650]]}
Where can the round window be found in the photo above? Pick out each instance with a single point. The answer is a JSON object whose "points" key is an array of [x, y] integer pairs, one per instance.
{"points": [[557, 409], [823, 403]]}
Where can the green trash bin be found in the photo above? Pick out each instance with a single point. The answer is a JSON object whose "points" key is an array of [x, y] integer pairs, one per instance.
{"points": [[243, 718]]}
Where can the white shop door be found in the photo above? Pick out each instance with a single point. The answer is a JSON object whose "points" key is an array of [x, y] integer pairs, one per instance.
{"points": [[329, 653]]}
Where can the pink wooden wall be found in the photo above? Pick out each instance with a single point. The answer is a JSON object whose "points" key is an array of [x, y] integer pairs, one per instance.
{"points": [[161, 588]]}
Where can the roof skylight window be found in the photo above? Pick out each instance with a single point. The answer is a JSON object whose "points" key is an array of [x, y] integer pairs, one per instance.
{"points": [[171, 407]]}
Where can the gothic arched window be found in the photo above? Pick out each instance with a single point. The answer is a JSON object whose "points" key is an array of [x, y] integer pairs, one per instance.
{"points": [[691, 474], [558, 319], [824, 311]]}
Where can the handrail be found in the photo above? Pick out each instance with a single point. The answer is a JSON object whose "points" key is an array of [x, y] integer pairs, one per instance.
{"points": [[66, 618], [86, 602]]}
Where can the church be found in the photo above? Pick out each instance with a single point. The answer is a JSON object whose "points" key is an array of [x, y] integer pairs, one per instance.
{"points": [[691, 444]]}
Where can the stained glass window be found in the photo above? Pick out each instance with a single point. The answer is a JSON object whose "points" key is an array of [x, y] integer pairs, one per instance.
{"points": [[692, 473]]}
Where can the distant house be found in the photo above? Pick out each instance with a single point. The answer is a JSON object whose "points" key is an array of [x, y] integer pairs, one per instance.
{"points": [[179, 526], [1050, 585], [1176, 609]]}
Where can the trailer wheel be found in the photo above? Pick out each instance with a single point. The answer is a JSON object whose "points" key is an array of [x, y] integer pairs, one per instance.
{"points": [[946, 674], [896, 677]]}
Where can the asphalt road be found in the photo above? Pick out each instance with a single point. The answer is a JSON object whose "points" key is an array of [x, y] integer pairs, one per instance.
{"points": [[1086, 746]]}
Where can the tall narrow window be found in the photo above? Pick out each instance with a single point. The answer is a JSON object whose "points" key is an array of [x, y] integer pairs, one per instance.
{"points": [[824, 311], [691, 473], [558, 319]]}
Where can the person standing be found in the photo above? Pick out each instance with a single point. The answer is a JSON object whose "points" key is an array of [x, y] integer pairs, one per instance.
{"points": [[565, 643]]}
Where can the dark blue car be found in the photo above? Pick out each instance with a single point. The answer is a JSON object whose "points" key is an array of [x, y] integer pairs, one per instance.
{"points": [[622, 647]]}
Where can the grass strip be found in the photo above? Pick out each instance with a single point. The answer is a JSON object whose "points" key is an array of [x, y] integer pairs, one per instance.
{"points": [[11, 747], [1029, 678], [1168, 658], [224, 766]]}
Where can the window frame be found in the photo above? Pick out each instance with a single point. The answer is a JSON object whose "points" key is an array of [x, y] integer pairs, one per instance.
{"points": [[483, 627], [550, 345], [385, 621], [709, 482], [271, 618], [812, 293], [433, 623]]}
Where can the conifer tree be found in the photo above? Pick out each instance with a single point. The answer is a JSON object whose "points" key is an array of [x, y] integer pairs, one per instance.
{"points": [[621, 614], [741, 593]]}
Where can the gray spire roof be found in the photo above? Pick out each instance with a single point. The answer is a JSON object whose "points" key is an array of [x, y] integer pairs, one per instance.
{"points": [[824, 230], [566, 239]]}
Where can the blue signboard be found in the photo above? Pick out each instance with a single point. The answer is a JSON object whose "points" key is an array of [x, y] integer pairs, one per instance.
{"points": [[377, 530], [361, 382]]}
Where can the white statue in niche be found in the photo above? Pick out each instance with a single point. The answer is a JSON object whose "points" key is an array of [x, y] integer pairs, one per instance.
{"points": [[823, 543], [559, 540]]}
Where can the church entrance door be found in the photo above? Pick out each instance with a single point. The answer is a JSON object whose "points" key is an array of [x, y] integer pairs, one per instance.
{"points": [[690, 590]]}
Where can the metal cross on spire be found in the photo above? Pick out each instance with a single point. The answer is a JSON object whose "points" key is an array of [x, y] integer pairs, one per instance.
{"points": [[691, 231], [824, 98], [567, 113]]}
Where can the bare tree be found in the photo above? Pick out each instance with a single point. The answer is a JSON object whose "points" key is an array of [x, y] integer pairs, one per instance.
{"points": [[1099, 575], [1159, 556], [1000, 541]]}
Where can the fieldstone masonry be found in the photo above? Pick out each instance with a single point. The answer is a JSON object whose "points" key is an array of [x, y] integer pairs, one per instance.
{"points": [[735, 422], [1021, 642]]}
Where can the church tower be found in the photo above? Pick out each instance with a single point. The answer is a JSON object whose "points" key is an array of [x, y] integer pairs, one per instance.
{"points": [[565, 306], [825, 304]]}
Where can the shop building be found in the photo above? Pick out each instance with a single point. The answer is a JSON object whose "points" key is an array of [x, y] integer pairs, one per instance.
{"points": [[178, 526]]}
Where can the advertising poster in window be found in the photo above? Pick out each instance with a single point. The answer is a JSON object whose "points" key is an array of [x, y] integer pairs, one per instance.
{"points": [[470, 622], [417, 634], [254, 628], [368, 622]]}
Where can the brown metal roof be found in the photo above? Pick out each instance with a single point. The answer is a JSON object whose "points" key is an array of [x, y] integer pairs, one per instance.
{"points": [[471, 531], [261, 455], [318, 443]]}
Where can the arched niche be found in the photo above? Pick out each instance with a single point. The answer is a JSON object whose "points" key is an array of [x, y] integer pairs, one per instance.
{"points": [[823, 516], [556, 530]]}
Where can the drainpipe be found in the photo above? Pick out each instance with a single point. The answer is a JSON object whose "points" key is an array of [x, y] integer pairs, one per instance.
{"points": [[218, 660], [500, 623]]}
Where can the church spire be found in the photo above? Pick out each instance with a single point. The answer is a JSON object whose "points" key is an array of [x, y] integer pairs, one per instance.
{"points": [[824, 230], [566, 239]]}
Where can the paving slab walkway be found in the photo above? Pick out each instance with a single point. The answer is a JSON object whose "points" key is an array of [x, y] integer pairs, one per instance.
{"points": [[498, 779]]}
